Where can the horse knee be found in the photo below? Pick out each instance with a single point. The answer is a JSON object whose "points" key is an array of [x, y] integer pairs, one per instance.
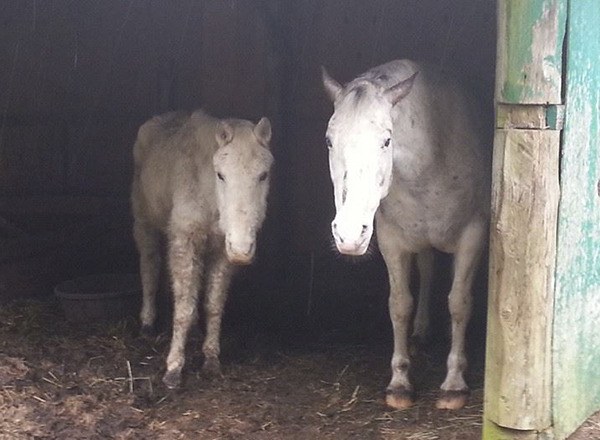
{"points": [[213, 309], [401, 305]]}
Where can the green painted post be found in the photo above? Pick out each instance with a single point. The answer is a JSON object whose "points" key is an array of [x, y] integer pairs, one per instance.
{"points": [[529, 54], [576, 341], [525, 194]]}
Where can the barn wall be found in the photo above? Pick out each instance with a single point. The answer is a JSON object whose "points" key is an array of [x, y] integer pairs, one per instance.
{"points": [[576, 333], [81, 76]]}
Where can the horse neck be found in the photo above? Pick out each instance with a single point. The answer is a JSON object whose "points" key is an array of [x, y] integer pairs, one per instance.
{"points": [[415, 159]]}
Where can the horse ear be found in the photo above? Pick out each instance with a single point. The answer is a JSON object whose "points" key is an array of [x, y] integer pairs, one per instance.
{"points": [[262, 131], [400, 90], [224, 133], [332, 87]]}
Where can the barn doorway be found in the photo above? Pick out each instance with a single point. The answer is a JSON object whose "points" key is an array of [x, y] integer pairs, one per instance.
{"points": [[307, 336]]}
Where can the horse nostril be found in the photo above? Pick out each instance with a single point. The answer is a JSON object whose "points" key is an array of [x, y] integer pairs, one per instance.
{"points": [[337, 236], [364, 229]]}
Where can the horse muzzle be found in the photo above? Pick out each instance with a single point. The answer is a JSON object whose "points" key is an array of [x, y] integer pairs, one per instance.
{"points": [[355, 250], [240, 255], [351, 239]]}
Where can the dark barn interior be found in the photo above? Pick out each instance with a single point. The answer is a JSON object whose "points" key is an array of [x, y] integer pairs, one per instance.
{"points": [[79, 77]]}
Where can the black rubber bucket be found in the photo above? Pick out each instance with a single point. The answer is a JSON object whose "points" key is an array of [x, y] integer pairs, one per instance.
{"points": [[100, 298]]}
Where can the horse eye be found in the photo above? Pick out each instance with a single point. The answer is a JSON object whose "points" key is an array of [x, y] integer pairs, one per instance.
{"points": [[221, 177], [387, 142], [328, 142], [263, 177]]}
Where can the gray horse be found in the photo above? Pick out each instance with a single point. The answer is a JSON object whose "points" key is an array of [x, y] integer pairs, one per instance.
{"points": [[202, 183], [405, 148]]}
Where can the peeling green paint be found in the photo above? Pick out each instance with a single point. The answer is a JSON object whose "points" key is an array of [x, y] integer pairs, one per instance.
{"points": [[530, 66], [520, 19], [555, 116], [518, 400], [576, 342]]}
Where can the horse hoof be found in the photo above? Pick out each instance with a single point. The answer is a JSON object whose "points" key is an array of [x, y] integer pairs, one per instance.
{"points": [[211, 367], [452, 399], [172, 379], [399, 399], [148, 331]]}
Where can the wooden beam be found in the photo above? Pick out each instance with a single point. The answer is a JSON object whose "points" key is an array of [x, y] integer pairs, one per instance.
{"points": [[539, 117], [491, 431], [525, 195]]}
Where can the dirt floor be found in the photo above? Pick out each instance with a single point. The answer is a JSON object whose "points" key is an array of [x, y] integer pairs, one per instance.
{"points": [[61, 381]]}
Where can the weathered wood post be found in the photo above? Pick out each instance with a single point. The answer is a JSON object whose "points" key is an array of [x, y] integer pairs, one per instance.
{"points": [[525, 195]]}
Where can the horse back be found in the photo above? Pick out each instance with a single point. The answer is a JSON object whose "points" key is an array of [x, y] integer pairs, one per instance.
{"points": [[168, 152]]}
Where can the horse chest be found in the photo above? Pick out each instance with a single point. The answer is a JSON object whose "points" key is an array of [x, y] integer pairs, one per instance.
{"points": [[421, 218]]}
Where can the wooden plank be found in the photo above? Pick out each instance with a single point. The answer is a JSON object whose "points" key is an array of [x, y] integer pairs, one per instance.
{"points": [[529, 53], [539, 117], [65, 205], [525, 195], [491, 431], [576, 344]]}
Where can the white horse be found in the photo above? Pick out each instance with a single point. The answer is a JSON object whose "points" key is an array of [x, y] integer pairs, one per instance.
{"points": [[405, 148], [203, 183]]}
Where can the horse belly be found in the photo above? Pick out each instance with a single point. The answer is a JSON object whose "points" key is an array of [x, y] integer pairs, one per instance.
{"points": [[155, 189]]}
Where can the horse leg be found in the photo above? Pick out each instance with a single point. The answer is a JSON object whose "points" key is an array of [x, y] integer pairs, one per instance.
{"points": [[421, 323], [185, 265], [399, 393], [219, 277], [147, 240], [454, 390]]}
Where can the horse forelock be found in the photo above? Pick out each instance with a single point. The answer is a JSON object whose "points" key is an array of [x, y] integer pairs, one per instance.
{"points": [[244, 152], [358, 91], [243, 132], [361, 101]]}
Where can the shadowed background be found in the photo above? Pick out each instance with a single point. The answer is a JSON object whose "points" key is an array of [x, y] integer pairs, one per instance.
{"points": [[79, 77]]}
